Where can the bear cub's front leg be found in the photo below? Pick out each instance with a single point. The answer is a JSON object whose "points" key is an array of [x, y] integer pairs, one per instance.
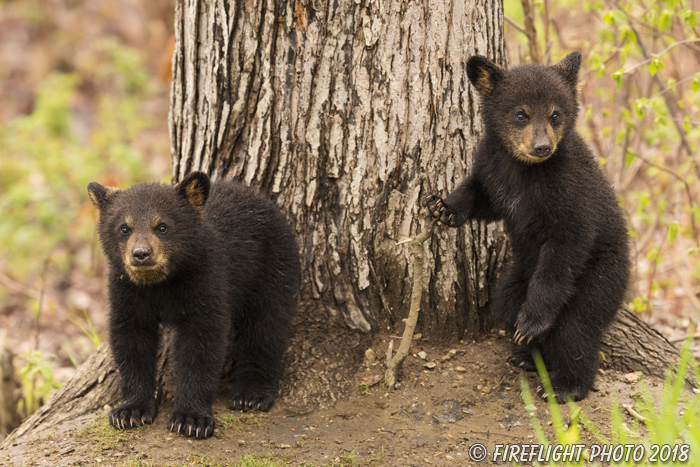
{"points": [[134, 414], [135, 343]]}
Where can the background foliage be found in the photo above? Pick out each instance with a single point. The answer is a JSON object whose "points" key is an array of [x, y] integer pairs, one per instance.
{"points": [[83, 97]]}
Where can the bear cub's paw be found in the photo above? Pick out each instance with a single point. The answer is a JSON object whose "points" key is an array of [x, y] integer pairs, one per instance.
{"points": [[132, 415], [440, 211], [198, 425], [529, 328], [252, 400], [563, 393], [521, 357]]}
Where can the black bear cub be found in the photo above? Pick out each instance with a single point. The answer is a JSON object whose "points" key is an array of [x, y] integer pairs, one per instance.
{"points": [[570, 261], [219, 265]]}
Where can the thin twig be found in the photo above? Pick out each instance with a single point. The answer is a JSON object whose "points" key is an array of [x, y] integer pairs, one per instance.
{"points": [[530, 31], [393, 362], [669, 102], [676, 340], [18, 287], [512, 22], [648, 60], [683, 181], [42, 294], [634, 413]]}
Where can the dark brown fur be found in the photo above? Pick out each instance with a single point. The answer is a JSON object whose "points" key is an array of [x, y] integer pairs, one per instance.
{"points": [[216, 263], [570, 266]]}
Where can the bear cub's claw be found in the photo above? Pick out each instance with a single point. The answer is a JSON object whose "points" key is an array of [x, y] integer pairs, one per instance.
{"points": [[132, 415], [562, 395], [199, 426], [528, 330], [261, 402], [439, 210]]}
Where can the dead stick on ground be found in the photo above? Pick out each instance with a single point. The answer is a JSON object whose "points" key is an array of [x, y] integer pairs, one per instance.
{"points": [[634, 413], [393, 362]]}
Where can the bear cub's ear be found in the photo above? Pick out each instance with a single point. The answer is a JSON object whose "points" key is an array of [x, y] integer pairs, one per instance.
{"points": [[568, 68], [195, 189], [100, 195], [484, 74]]}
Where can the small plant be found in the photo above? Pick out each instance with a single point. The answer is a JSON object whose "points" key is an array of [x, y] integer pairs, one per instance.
{"points": [[250, 460], [37, 381], [232, 422], [664, 432], [105, 437], [88, 330]]}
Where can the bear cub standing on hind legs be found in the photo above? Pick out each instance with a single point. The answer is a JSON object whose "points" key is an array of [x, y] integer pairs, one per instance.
{"points": [[570, 264], [218, 263]]}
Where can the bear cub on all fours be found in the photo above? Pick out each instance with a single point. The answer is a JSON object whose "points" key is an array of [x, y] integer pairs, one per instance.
{"points": [[219, 265], [570, 261]]}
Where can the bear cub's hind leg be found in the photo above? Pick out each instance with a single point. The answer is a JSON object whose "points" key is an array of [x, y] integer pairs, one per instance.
{"points": [[258, 350]]}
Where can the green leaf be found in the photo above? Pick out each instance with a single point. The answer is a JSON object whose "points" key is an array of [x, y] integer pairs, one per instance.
{"points": [[695, 85], [617, 77], [665, 20], [620, 136], [615, 17], [620, 16], [653, 256], [689, 16], [589, 112], [624, 32], [629, 158], [594, 61], [672, 232], [655, 64], [639, 108]]}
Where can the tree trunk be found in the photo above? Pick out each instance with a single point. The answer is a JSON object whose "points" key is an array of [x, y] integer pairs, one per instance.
{"points": [[348, 112]]}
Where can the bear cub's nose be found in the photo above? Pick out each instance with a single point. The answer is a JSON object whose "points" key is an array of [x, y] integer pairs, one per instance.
{"points": [[542, 148], [141, 255]]}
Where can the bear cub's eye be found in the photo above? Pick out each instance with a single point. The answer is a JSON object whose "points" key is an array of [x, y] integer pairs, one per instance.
{"points": [[521, 117], [556, 117], [124, 230], [162, 228]]}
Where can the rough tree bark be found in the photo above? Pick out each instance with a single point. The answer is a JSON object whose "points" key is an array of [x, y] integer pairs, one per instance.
{"points": [[347, 111]]}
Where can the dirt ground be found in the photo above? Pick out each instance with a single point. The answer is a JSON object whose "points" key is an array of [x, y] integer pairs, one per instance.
{"points": [[471, 395]]}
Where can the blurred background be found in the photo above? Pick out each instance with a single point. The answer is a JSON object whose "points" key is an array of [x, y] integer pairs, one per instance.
{"points": [[84, 95]]}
